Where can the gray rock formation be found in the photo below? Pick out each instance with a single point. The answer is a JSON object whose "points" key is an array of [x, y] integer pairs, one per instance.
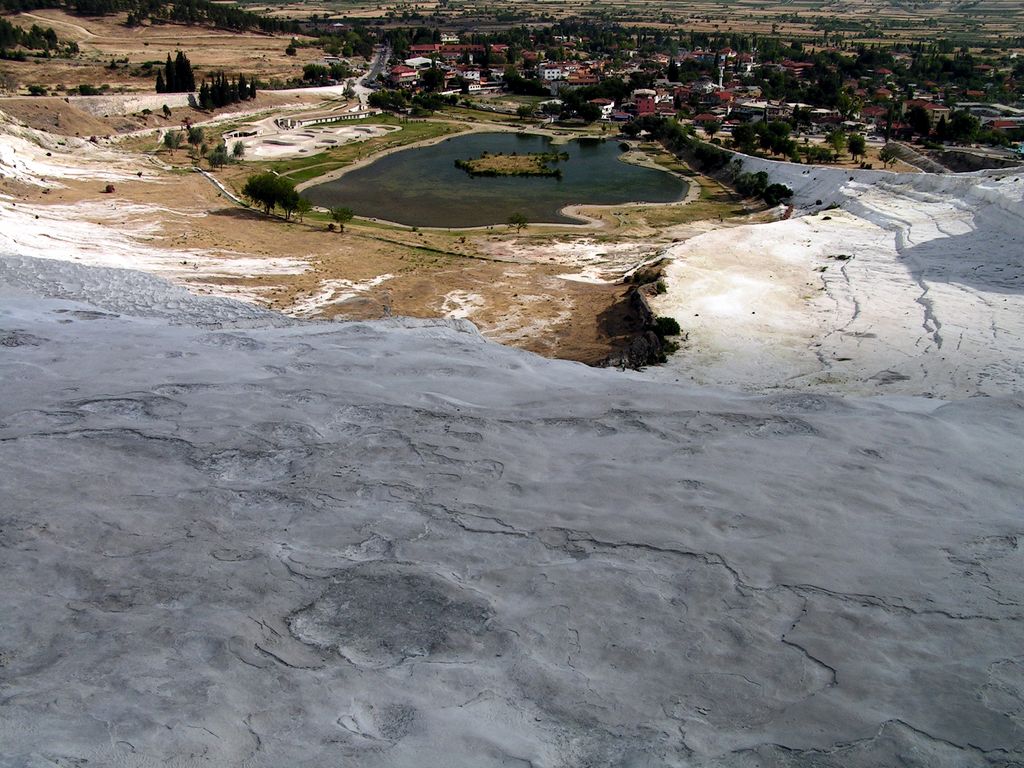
{"points": [[393, 544]]}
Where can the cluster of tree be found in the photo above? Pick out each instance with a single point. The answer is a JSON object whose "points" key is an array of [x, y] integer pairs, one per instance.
{"points": [[218, 156], [524, 86], [35, 38], [393, 101], [181, 11], [222, 16], [772, 137], [425, 103], [196, 137], [708, 157], [270, 191], [320, 74], [419, 104], [357, 41], [962, 126], [177, 76], [220, 91], [759, 185], [818, 154]]}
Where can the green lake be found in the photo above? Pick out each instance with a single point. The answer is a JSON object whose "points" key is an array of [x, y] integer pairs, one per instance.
{"points": [[422, 187]]}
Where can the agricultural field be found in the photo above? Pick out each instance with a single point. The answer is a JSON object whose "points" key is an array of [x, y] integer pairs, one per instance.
{"points": [[975, 21], [118, 58]]}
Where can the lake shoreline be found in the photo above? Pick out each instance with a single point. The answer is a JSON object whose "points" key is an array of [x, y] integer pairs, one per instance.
{"points": [[592, 178]]}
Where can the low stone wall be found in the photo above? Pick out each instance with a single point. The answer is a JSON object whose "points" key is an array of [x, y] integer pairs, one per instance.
{"points": [[129, 103]]}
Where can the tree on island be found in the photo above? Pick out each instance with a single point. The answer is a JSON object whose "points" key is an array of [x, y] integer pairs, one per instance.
{"points": [[341, 215], [517, 220]]}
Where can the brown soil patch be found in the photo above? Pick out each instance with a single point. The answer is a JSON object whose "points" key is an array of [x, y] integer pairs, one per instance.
{"points": [[61, 116], [104, 38], [522, 304], [55, 115]]}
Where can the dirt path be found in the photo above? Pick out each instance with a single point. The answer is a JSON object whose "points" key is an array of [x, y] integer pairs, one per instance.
{"points": [[59, 24]]}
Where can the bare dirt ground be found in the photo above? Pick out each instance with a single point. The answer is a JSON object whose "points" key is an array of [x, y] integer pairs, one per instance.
{"points": [[555, 290], [868, 21], [101, 39], [179, 225]]}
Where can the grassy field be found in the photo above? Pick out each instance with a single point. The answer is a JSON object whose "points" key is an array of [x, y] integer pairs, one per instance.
{"points": [[479, 115], [866, 21], [102, 38], [302, 169]]}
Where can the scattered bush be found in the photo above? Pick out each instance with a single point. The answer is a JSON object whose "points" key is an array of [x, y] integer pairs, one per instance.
{"points": [[776, 193], [666, 326], [711, 158], [173, 139], [751, 184]]}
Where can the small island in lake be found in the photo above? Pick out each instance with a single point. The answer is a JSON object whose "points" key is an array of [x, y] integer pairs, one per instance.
{"points": [[500, 164]]}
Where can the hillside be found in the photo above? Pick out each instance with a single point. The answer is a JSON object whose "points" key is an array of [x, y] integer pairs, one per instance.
{"points": [[397, 544], [234, 538]]}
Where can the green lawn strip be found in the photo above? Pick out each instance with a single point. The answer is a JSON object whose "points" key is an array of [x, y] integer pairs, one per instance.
{"points": [[480, 115]]}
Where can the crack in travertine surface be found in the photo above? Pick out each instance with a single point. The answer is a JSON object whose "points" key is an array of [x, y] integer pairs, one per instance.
{"points": [[232, 544]]}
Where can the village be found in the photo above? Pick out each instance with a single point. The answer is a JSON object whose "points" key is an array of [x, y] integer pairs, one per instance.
{"points": [[821, 92]]}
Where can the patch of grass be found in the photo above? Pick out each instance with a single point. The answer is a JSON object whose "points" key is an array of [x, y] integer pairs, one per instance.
{"points": [[500, 164], [300, 169], [480, 115]]}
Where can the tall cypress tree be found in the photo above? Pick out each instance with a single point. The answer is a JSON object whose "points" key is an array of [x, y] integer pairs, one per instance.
{"points": [[170, 80], [161, 87], [185, 79]]}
